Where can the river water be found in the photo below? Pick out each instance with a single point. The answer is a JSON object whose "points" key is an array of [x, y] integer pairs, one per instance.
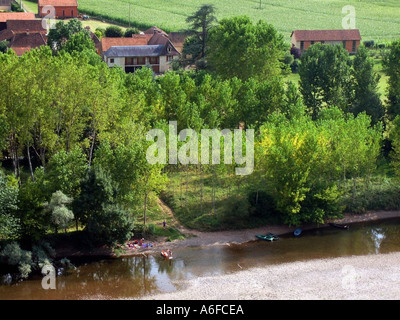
{"points": [[135, 277]]}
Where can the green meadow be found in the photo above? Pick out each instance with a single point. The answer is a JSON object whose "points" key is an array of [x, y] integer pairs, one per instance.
{"points": [[377, 19]]}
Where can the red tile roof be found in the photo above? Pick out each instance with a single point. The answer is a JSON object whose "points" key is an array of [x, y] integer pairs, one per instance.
{"points": [[58, 3], [136, 40], [24, 42], [4, 16], [326, 35], [19, 26]]}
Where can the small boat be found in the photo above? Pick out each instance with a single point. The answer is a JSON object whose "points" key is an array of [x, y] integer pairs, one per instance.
{"points": [[268, 237], [340, 226], [297, 232], [166, 254]]}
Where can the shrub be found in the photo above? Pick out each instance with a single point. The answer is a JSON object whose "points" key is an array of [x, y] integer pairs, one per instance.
{"points": [[13, 255], [369, 43], [114, 32], [131, 31]]}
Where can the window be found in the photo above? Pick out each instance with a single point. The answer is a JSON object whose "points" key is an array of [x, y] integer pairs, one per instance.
{"points": [[129, 61], [344, 44], [312, 42], [323, 41], [170, 58], [354, 46], [141, 61], [154, 60], [112, 60], [301, 45]]}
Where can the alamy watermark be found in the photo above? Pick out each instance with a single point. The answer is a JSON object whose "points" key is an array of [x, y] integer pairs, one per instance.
{"points": [[349, 21], [192, 147]]}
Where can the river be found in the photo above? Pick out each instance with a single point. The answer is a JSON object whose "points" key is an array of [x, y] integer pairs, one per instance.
{"points": [[135, 277]]}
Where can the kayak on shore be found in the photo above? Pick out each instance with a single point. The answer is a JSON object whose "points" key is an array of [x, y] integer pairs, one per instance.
{"points": [[268, 237]]}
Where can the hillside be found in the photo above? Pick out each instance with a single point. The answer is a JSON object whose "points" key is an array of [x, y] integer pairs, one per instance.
{"points": [[377, 20]]}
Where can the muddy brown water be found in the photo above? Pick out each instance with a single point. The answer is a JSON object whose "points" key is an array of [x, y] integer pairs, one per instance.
{"points": [[135, 277]]}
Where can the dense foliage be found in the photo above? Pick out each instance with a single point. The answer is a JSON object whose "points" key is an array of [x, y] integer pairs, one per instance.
{"points": [[73, 136]]}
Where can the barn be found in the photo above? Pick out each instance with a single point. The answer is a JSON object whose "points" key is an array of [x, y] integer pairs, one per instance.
{"points": [[63, 8]]}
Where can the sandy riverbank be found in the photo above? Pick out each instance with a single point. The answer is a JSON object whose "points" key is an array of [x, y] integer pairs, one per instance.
{"points": [[372, 277]]}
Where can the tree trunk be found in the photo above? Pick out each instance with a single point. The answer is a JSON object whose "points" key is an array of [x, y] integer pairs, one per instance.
{"points": [[145, 207], [30, 163]]}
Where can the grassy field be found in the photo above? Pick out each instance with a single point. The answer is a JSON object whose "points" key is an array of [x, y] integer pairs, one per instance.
{"points": [[377, 19]]}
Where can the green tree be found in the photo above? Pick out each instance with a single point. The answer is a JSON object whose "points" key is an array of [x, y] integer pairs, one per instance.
{"points": [[58, 36], [80, 41], [131, 31], [3, 46], [9, 223], [239, 48], [200, 24], [365, 84], [325, 78], [391, 63], [61, 216]]}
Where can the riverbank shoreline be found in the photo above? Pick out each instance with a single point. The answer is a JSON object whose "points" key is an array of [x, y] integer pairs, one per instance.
{"points": [[196, 238]]}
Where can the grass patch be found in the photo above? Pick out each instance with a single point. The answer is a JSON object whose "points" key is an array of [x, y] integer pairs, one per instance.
{"points": [[211, 203]]}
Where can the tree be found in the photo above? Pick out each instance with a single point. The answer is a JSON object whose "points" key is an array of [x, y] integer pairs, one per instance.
{"points": [[200, 24], [80, 41], [3, 46], [365, 84], [61, 216], [325, 78], [131, 31], [66, 170], [114, 32], [239, 48], [97, 207], [9, 223], [59, 35], [391, 63]]}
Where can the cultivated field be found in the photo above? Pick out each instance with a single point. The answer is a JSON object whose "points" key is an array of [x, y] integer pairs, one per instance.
{"points": [[377, 19]]}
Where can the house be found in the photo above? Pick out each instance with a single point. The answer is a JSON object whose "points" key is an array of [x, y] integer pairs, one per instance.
{"points": [[5, 5], [4, 16], [350, 39], [153, 50], [24, 35], [63, 8]]}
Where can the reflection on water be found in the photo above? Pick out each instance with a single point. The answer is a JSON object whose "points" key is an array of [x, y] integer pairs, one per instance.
{"points": [[377, 236], [144, 275]]}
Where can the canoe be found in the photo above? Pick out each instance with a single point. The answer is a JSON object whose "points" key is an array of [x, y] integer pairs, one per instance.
{"points": [[340, 226], [297, 232], [268, 237]]}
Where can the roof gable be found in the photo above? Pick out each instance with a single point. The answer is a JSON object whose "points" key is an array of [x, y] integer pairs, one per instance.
{"points": [[326, 35]]}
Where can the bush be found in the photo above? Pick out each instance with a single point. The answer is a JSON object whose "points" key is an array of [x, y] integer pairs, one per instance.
{"points": [[369, 43], [13, 255], [114, 32], [131, 31]]}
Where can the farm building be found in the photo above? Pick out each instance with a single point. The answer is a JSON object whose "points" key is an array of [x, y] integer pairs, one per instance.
{"points": [[154, 50], [349, 39], [4, 16], [5, 5], [63, 8], [24, 35]]}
